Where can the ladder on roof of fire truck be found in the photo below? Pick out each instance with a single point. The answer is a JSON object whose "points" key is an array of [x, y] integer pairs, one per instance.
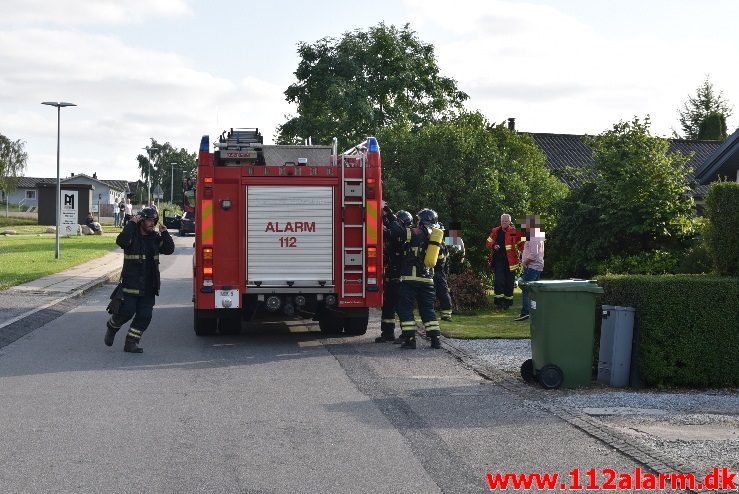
{"points": [[238, 139], [353, 262]]}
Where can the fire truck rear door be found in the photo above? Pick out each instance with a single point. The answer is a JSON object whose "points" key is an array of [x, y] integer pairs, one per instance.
{"points": [[290, 238]]}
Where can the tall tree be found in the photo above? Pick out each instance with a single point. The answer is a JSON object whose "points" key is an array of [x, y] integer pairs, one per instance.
{"points": [[13, 161], [713, 127], [470, 171], [163, 160], [366, 80], [638, 201], [700, 107]]}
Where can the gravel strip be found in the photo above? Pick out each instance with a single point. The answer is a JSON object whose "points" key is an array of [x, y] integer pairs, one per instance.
{"points": [[699, 427]]}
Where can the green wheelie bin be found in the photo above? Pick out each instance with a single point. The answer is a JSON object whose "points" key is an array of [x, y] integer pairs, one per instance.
{"points": [[562, 329]]}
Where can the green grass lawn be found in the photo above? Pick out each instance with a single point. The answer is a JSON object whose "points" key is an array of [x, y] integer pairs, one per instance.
{"points": [[488, 323], [34, 229], [26, 258], [12, 222]]}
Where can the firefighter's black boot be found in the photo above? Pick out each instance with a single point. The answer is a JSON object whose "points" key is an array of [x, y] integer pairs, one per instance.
{"points": [[131, 346], [110, 334], [385, 336], [409, 343], [435, 343]]}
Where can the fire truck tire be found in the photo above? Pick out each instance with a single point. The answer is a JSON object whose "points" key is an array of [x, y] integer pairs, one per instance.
{"points": [[355, 326], [230, 325], [330, 324], [205, 326]]}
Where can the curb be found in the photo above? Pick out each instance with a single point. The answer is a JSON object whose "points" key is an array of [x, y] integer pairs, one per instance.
{"points": [[113, 275], [652, 459]]}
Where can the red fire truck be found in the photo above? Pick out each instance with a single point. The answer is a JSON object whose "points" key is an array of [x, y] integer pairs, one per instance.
{"points": [[287, 230]]}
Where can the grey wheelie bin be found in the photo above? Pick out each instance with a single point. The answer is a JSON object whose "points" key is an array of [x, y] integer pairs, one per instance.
{"points": [[562, 329]]}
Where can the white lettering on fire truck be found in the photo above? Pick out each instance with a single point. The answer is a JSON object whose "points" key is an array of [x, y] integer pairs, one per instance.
{"points": [[291, 226]]}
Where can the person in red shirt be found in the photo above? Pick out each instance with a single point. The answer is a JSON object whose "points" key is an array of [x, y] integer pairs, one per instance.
{"points": [[504, 242]]}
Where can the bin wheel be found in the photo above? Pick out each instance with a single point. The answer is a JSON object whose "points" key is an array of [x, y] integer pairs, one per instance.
{"points": [[550, 376], [527, 371]]}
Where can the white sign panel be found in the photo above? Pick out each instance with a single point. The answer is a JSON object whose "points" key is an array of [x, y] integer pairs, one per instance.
{"points": [[68, 208], [289, 235], [95, 208]]}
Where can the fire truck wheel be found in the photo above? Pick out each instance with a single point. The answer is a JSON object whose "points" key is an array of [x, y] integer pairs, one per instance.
{"points": [[355, 326], [205, 326], [229, 325], [330, 324]]}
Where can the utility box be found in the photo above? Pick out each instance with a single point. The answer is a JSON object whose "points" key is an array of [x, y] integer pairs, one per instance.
{"points": [[616, 337]]}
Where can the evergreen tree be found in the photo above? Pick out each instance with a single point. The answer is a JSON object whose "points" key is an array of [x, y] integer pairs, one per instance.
{"points": [[699, 107], [713, 127]]}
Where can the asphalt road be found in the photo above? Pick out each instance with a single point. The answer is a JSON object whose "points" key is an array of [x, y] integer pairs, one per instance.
{"points": [[275, 409]]}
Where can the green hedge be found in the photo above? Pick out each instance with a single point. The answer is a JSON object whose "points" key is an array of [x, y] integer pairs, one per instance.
{"points": [[686, 327], [722, 230]]}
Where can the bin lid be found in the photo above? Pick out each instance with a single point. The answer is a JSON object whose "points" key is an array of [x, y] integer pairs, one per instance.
{"points": [[571, 285], [618, 308]]}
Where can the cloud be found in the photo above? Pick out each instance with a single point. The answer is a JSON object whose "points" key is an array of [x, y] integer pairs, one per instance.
{"points": [[125, 95], [82, 12], [534, 92], [548, 67]]}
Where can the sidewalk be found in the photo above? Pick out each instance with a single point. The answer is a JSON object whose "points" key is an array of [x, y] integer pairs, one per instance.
{"points": [[21, 301]]}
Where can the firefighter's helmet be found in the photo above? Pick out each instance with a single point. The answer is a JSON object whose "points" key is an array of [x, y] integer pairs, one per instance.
{"points": [[150, 214], [405, 218], [427, 217]]}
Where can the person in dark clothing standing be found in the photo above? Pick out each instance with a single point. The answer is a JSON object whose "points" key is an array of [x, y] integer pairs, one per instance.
{"points": [[391, 257], [140, 279], [416, 277], [504, 241], [441, 270]]}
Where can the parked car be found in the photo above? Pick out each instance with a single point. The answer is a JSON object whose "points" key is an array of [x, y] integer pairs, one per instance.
{"points": [[187, 224], [172, 222]]}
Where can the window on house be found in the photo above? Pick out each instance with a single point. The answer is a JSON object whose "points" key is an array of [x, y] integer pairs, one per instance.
{"points": [[31, 194]]}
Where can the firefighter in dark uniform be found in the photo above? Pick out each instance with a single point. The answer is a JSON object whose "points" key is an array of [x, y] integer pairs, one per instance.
{"points": [[140, 279], [416, 279], [391, 259], [441, 270]]}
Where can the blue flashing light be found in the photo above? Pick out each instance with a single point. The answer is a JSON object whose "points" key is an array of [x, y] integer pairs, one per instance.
{"points": [[204, 143], [372, 145]]}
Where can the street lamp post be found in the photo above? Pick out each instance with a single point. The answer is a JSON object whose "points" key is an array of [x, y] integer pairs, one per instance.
{"points": [[148, 178], [171, 186], [58, 106]]}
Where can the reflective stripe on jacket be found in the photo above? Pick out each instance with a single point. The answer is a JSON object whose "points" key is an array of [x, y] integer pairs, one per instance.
{"points": [[136, 260]]}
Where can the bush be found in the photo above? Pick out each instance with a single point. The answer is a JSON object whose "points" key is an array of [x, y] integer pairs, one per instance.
{"points": [[468, 292], [656, 262], [722, 230], [457, 262], [685, 327], [696, 260]]}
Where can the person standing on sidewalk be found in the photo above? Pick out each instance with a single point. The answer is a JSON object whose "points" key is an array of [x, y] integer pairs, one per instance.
{"points": [[532, 260], [116, 213], [140, 277], [127, 213]]}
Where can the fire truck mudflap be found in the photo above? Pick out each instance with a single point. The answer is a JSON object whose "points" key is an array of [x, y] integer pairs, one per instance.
{"points": [[287, 230]]}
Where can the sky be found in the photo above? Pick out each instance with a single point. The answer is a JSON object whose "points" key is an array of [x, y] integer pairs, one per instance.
{"points": [[175, 70]]}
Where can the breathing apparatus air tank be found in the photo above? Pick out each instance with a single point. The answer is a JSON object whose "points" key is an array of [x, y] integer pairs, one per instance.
{"points": [[432, 251]]}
